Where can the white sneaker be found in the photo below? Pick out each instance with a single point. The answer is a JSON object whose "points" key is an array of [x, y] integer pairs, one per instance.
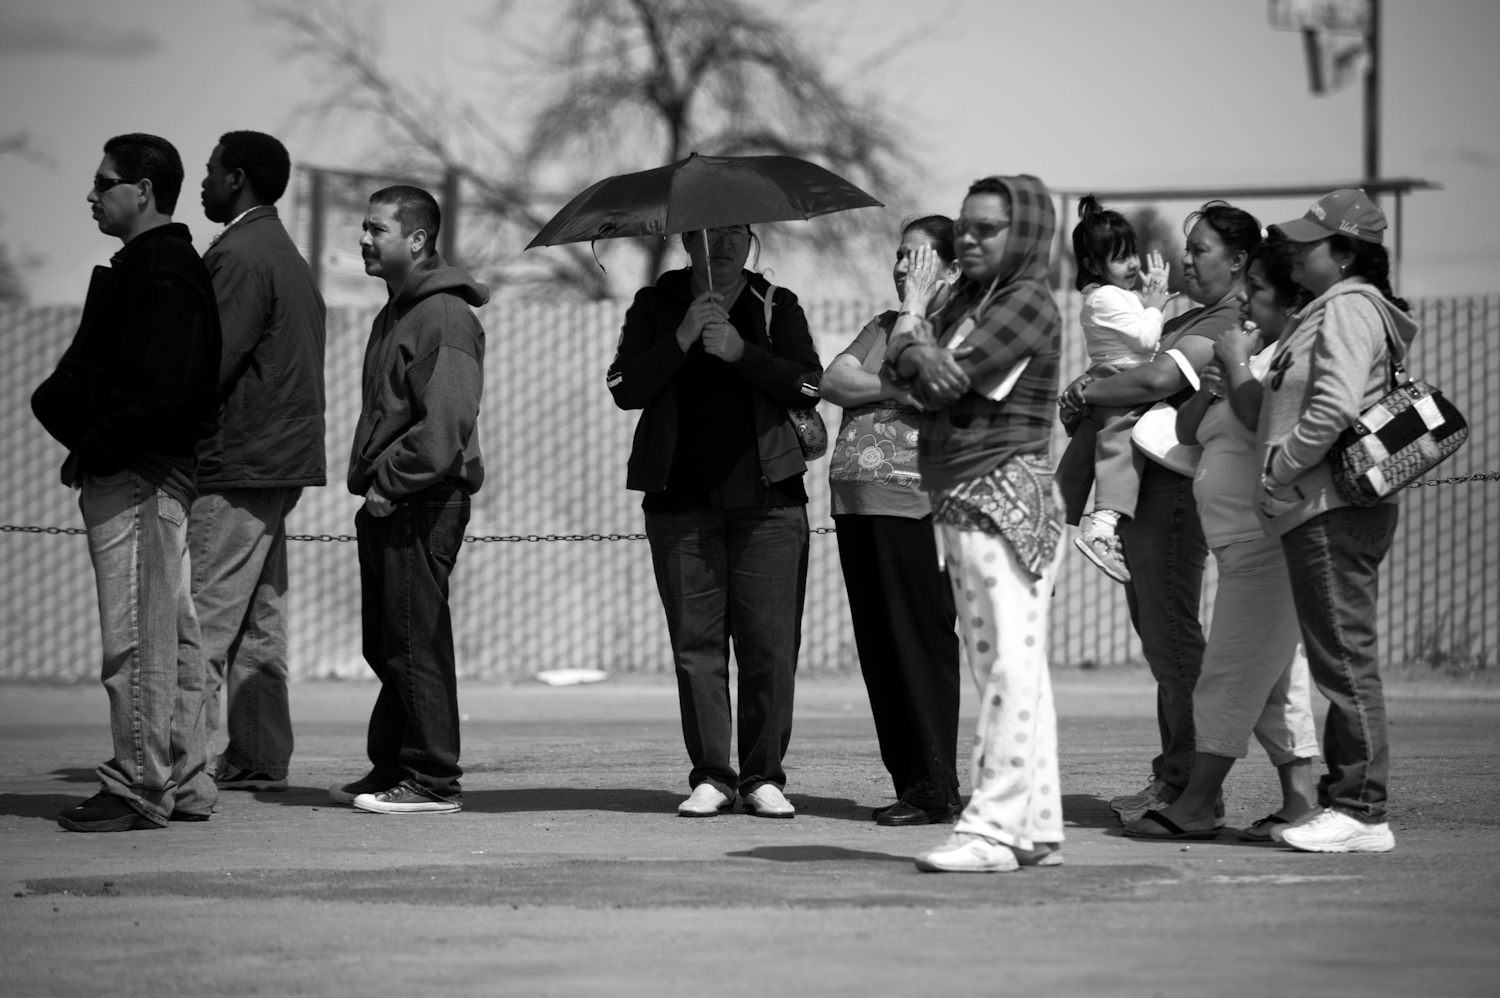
{"points": [[1335, 831], [767, 801], [1134, 806], [407, 798], [705, 802], [965, 852]]}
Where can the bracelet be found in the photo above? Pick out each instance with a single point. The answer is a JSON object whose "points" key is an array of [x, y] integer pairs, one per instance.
{"points": [[914, 315]]}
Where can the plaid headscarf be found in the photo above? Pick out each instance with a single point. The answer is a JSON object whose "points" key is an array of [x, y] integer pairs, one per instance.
{"points": [[1015, 319]]}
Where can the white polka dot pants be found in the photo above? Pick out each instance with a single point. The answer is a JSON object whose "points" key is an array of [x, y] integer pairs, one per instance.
{"points": [[1002, 614]]}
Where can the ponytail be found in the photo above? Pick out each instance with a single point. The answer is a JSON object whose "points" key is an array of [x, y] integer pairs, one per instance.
{"points": [[1100, 236], [1372, 263]]}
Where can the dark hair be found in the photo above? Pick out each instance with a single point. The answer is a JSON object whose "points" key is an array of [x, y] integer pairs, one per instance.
{"points": [[265, 162], [1100, 236], [415, 209], [991, 185], [1239, 230], [1275, 257], [1370, 262], [938, 229], [139, 156]]}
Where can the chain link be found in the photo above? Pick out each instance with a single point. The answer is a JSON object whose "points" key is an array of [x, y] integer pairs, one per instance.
{"points": [[11, 528]]}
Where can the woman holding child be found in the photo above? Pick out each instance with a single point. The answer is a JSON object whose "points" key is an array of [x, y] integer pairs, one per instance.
{"points": [[1160, 533]]}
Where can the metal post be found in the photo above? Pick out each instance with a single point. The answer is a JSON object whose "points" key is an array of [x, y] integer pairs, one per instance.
{"points": [[315, 227], [1372, 95], [449, 232]]}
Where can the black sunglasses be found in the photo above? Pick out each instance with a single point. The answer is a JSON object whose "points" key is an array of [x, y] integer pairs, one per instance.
{"points": [[980, 229], [102, 184]]}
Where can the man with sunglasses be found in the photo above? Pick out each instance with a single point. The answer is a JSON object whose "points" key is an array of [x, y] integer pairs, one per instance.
{"points": [[130, 400]]}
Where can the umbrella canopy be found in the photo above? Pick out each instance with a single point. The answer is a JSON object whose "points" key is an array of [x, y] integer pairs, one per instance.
{"points": [[702, 192]]}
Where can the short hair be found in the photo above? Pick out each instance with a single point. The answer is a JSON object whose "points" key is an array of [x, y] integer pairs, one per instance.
{"points": [[1238, 229], [938, 229], [415, 209], [1100, 236], [139, 156], [991, 185], [266, 163]]}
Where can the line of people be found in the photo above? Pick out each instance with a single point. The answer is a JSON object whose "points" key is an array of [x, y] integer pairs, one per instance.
{"points": [[191, 403]]}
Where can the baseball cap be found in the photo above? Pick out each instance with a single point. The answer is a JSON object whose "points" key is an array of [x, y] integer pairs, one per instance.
{"points": [[1344, 212]]}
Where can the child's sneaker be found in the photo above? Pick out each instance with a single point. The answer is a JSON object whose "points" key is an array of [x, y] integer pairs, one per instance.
{"points": [[1101, 545]]}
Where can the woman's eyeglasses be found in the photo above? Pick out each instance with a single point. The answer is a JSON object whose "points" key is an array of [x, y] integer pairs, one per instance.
{"points": [[102, 184], [978, 228], [735, 235]]}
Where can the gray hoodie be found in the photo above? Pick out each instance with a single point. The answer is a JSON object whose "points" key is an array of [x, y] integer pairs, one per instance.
{"points": [[423, 376], [1328, 368]]}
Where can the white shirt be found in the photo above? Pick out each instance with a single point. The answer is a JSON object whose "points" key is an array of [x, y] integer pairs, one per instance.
{"points": [[1117, 329]]}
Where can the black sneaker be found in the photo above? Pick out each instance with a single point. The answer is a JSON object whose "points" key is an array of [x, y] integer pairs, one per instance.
{"points": [[105, 812], [407, 798], [368, 784]]}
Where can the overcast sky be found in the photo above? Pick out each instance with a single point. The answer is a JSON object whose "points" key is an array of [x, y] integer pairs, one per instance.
{"points": [[1084, 93]]}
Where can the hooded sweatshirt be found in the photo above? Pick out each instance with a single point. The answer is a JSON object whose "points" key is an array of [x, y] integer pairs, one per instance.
{"points": [[1328, 368], [1017, 320], [423, 377]]}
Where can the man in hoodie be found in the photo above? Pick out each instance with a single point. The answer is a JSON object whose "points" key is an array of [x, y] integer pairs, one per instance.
{"points": [[252, 472], [130, 399], [415, 462]]}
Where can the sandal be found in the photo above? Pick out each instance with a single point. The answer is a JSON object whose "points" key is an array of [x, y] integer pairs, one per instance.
{"points": [[1175, 832], [1260, 831]]}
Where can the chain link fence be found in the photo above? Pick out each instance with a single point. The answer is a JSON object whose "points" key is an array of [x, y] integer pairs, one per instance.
{"points": [[557, 574]]}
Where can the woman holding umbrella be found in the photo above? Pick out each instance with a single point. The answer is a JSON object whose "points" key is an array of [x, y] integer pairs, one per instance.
{"points": [[722, 468], [984, 371]]}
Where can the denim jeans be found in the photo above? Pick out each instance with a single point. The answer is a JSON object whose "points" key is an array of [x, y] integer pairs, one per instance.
{"points": [[153, 666], [1334, 560], [238, 545], [740, 574], [1166, 554], [404, 563]]}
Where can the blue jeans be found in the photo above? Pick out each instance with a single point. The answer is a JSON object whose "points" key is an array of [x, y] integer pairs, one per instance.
{"points": [[153, 666], [740, 574], [238, 545], [1166, 554], [404, 563], [1334, 560]]}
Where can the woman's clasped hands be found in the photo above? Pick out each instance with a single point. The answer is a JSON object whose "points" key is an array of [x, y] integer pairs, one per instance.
{"points": [[706, 319]]}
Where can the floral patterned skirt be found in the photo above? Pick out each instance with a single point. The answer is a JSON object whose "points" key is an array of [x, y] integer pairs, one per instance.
{"points": [[1017, 501]]}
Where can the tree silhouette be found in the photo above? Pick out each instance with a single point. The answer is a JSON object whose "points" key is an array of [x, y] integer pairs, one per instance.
{"points": [[623, 85]]}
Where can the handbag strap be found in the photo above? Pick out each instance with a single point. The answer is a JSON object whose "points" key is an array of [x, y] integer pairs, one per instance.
{"points": [[767, 300], [1399, 374]]}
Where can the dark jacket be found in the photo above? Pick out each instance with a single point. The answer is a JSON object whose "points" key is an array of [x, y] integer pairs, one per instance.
{"points": [[423, 377], [137, 388], [786, 375], [271, 371]]}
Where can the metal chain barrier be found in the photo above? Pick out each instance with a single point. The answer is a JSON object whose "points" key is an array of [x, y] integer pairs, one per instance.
{"points": [[10, 528]]}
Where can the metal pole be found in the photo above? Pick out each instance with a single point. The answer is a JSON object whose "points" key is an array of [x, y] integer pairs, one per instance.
{"points": [[1372, 96], [449, 247], [315, 228]]}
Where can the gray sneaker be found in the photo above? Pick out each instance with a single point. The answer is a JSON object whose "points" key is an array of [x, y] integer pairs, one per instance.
{"points": [[344, 793], [407, 798]]}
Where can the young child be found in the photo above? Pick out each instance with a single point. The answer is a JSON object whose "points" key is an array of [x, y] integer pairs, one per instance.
{"points": [[1121, 330]]}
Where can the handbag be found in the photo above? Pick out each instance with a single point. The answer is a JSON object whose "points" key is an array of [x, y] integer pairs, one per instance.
{"points": [[812, 433], [1411, 430], [1155, 435]]}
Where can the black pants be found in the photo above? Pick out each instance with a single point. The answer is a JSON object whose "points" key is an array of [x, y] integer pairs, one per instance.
{"points": [[902, 607], [404, 563]]}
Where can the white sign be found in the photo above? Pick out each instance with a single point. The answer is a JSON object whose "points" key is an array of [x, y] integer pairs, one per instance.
{"points": [[1344, 17]]}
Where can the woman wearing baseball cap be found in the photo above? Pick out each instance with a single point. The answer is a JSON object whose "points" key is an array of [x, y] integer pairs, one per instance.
{"points": [[1330, 365]]}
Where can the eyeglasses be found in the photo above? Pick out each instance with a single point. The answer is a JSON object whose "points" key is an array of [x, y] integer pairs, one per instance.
{"points": [[102, 184], [735, 235], [980, 230]]}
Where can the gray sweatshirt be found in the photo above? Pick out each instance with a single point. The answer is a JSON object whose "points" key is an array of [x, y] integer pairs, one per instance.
{"points": [[1328, 368]]}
